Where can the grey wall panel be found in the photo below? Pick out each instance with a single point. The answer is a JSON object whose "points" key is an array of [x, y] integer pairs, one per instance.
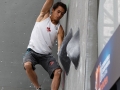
{"points": [[77, 18], [17, 18], [82, 14], [92, 40]]}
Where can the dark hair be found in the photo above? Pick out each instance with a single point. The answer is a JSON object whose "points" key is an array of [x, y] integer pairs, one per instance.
{"points": [[60, 4]]}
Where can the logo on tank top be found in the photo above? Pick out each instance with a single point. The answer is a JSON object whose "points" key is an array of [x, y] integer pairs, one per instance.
{"points": [[51, 63], [48, 29]]}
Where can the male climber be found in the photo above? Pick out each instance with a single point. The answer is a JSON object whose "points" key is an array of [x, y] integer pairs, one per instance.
{"points": [[46, 30]]}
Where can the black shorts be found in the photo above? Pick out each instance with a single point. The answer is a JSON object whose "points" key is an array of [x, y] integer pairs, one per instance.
{"points": [[47, 61]]}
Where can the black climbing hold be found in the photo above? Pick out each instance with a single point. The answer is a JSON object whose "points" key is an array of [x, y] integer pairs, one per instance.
{"points": [[64, 59], [73, 49]]}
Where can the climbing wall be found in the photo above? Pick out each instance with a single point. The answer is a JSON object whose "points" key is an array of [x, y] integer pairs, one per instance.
{"points": [[82, 16], [97, 21], [17, 18]]}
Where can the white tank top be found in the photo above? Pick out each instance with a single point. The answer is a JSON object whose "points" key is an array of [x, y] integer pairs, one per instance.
{"points": [[43, 36]]}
